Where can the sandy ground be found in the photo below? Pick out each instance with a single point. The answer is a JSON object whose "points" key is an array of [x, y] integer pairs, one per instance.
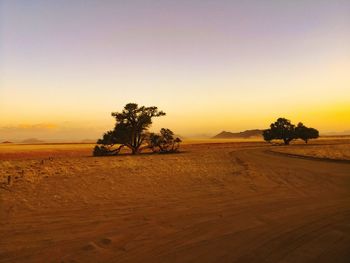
{"points": [[228, 202]]}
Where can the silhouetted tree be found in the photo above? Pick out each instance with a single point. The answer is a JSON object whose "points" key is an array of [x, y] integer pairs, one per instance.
{"points": [[305, 133], [103, 151], [153, 141], [267, 134], [130, 129], [282, 129], [106, 144], [165, 142]]}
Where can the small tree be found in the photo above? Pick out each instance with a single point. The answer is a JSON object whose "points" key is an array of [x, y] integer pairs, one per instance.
{"points": [[154, 141], [305, 133], [164, 142], [132, 124], [282, 129]]}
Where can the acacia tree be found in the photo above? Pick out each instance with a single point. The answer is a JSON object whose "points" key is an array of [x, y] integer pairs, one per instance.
{"points": [[282, 129], [130, 129], [306, 133]]}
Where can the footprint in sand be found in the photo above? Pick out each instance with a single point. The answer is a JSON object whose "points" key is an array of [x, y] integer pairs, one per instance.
{"points": [[105, 241], [102, 243], [90, 246]]}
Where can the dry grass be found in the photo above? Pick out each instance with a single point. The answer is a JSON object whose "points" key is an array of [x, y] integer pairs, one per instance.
{"points": [[47, 150], [37, 161], [330, 151], [37, 151]]}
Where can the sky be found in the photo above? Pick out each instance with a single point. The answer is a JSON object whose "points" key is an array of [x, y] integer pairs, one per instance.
{"points": [[210, 65]]}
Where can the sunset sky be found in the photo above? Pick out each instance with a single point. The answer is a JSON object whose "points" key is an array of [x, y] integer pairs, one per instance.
{"points": [[210, 65]]}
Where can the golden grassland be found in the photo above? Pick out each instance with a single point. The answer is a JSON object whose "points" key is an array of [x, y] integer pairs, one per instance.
{"points": [[44, 150], [33, 161], [335, 150]]}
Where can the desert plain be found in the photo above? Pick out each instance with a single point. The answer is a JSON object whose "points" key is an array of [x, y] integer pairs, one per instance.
{"points": [[222, 201]]}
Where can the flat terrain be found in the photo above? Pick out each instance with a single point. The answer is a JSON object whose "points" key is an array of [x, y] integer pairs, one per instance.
{"points": [[332, 151], [218, 202]]}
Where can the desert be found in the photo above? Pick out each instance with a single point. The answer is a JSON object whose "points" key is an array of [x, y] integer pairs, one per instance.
{"points": [[211, 202]]}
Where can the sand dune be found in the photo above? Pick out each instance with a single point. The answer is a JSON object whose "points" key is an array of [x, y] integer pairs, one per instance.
{"points": [[229, 202]]}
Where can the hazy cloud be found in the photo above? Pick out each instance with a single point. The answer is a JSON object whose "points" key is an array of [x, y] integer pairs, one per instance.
{"points": [[29, 127], [50, 132]]}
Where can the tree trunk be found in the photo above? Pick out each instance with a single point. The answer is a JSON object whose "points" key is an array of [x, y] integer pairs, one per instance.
{"points": [[135, 149]]}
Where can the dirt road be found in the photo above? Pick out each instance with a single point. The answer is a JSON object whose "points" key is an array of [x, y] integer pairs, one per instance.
{"points": [[210, 204]]}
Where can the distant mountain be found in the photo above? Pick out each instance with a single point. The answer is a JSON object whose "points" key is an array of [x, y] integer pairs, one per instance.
{"points": [[238, 135], [6, 142], [32, 141]]}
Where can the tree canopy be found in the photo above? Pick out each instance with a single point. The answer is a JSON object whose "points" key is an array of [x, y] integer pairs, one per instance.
{"points": [[284, 130], [305, 133], [165, 142]]}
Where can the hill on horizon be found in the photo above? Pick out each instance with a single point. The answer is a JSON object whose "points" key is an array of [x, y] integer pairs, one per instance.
{"points": [[88, 141], [239, 135], [32, 141]]}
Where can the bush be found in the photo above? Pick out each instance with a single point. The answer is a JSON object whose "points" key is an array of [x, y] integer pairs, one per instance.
{"points": [[164, 142]]}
